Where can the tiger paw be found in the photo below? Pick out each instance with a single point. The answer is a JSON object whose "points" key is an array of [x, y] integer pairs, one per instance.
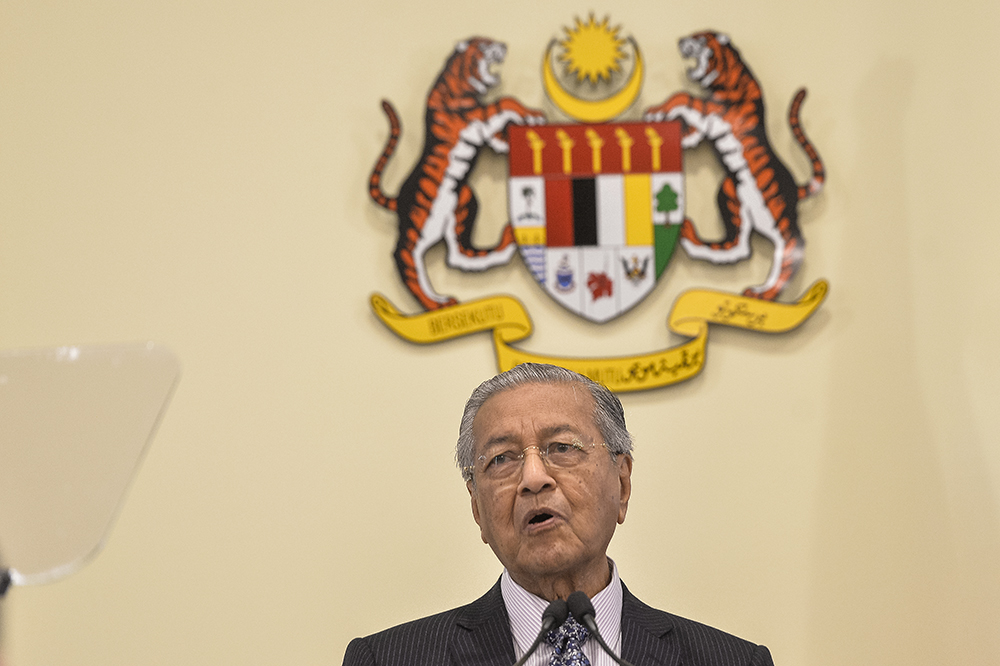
{"points": [[655, 114], [534, 117], [768, 295], [528, 116], [668, 109], [658, 113], [431, 305], [507, 238]]}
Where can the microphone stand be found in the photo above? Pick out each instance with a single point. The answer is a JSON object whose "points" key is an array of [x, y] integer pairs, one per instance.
{"points": [[583, 611], [555, 614]]}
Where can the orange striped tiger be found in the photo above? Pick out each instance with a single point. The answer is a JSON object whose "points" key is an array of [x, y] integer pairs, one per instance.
{"points": [[758, 192], [435, 202]]}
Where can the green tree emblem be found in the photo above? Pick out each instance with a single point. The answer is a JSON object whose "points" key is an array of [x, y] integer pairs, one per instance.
{"points": [[666, 199]]}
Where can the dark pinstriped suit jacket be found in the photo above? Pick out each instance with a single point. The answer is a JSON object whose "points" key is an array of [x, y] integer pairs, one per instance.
{"points": [[479, 635]]}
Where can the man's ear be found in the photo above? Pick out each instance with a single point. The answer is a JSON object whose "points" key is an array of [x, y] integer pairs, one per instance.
{"points": [[625, 484], [475, 508]]}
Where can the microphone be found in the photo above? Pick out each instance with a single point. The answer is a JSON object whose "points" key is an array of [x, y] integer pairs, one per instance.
{"points": [[555, 614], [583, 611]]}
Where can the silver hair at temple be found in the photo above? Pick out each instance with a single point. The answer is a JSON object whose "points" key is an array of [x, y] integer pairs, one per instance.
{"points": [[609, 417]]}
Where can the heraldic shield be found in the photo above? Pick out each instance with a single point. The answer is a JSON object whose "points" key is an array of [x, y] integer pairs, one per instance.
{"points": [[596, 210]]}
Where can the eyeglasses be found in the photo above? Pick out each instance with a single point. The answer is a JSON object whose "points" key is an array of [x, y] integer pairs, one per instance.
{"points": [[502, 464]]}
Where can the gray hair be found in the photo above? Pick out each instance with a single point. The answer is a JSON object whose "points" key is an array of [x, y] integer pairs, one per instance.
{"points": [[609, 417]]}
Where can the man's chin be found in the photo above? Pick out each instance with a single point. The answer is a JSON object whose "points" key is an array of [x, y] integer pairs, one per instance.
{"points": [[547, 562]]}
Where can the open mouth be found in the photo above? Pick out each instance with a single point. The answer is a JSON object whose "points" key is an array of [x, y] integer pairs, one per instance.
{"points": [[539, 518], [489, 66], [696, 50], [489, 71]]}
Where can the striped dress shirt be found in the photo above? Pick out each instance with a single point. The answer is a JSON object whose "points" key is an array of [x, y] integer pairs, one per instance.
{"points": [[525, 611]]}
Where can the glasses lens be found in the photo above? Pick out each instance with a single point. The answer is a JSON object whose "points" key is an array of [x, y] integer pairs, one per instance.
{"points": [[499, 464], [565, 454], [559, 455]]}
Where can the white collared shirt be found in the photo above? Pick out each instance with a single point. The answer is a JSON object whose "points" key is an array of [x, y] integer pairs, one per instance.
{"points": [[525, 612]]}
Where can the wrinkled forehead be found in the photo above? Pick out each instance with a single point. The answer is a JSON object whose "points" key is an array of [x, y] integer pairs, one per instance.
{"points": [[535, 411]]}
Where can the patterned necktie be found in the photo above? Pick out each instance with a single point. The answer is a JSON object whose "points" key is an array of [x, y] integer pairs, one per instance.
{"points": [[568, 642]]}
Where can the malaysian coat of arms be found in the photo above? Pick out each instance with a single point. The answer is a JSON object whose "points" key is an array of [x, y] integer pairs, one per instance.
{"points": [[597, 207]]}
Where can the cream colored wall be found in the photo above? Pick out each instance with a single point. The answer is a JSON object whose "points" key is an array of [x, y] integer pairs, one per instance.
{"points": [[196, 173]]}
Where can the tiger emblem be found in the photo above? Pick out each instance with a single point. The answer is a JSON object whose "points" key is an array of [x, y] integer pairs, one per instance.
{"points": [[435, 203], [758, 192]]}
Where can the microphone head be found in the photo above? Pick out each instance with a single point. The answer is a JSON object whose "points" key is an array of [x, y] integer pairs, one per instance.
{"points": [[580, 606], [555, 614]]}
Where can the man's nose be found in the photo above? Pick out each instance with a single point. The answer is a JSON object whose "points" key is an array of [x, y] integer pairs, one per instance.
{"points": [[535, 475]]}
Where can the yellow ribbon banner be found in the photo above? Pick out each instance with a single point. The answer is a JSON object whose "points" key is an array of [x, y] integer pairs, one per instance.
{"points": [[690, 316]]}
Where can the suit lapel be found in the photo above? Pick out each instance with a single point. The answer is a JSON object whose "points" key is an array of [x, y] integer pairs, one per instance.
{"points": [[647, 634], [482, 633], [482, 636]]}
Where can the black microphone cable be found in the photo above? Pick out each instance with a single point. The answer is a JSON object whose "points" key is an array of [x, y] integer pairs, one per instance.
{"points": [[555, 614], [583, 611]]}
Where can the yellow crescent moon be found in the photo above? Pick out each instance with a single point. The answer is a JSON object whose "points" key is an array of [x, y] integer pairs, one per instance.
{"points": [[592, 111]]}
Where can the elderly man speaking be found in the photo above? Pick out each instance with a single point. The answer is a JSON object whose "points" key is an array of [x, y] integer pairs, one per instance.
{"points": [[547, 460]]}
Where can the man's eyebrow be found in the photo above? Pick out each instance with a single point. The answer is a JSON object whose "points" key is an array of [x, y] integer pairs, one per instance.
{"points": [[500, 439], [544, 433], [563, 429]]}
